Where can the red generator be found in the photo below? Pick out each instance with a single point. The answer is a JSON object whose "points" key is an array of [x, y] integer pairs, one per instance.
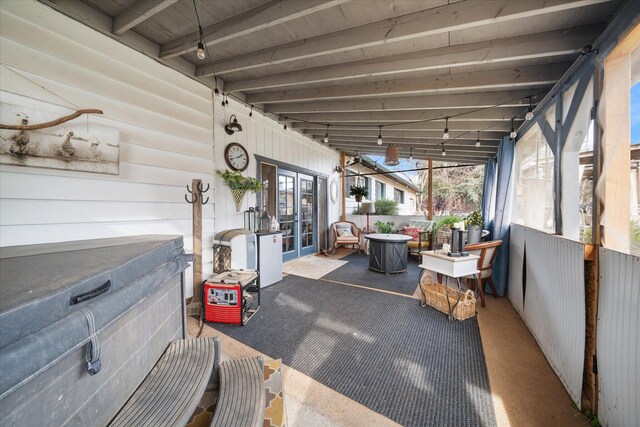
{"points": [[229, 297]]}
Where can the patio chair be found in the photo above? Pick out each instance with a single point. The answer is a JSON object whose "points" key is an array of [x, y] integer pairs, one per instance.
{"points": [[419, 239], [345, 233], [487, 252]]}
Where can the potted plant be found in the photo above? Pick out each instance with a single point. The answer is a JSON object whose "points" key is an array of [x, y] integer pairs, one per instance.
{"points": [[239, 185], [358, 192], [384, 227], [474, 226]]}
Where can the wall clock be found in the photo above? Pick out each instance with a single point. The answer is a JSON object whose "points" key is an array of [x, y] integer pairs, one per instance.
{"points": [[236, 157]]}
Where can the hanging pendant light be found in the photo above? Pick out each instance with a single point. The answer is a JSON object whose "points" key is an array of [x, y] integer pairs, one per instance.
{"points": [[200, 52], [445, 135], [529, 115], [380, 136], [251, 112], [478, 140], [444, 152], [285, 123], [391, 155], [410, 154], [513, 133], [326, 136]]}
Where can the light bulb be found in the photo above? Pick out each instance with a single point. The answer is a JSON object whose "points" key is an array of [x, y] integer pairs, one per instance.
{"points": [[201, 53], [529, 115], [326, 138], [478, 143], [445, 135], [444, 153], [478, 140], [380, 139], [513, 134], [410, 157]]}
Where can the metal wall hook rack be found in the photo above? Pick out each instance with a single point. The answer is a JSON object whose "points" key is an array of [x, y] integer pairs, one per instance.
{"points": [[194, 196]]}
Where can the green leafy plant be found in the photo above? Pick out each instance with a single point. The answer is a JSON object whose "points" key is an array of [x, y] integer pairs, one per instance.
{"points": [[475, 218], [441, 222], [384, 227], [356, 190], [236, 181], [635, 234], [386, 207]]}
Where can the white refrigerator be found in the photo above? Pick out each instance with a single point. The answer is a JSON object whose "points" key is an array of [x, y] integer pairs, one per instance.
{"points": [[269, 257]]}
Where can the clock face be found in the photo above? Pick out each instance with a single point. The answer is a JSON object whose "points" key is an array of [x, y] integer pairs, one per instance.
{"points": [[236, 156]]}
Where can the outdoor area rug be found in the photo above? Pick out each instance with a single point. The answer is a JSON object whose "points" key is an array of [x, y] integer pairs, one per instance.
{"points": [[356, 272], [384, 351]]}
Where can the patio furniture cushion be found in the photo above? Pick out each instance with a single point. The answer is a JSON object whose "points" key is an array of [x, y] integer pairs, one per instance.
{"points": [[411, 231], [422, 225], [347, 239], [343, 232]]}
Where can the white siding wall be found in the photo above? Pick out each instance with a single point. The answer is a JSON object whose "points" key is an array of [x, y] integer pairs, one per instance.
{"points": [[406, 208], [165, 131], [267, 138]]}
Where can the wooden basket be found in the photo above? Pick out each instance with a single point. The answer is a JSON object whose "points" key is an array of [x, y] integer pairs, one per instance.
{"points": [[461, 305]]}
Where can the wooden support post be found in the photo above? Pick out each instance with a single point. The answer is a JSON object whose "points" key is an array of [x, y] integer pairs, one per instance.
{"points": [[196, 186], [343, 165], [430, 191]]}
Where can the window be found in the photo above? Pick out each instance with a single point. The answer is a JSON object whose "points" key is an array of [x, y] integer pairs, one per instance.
{"points": [[353, 180], [268, 176], [380, 190], [533, 189], [398, 195]]}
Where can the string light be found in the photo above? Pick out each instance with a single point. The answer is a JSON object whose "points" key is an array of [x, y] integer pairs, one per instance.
{"points": [[444, 152], [223, 95], [529, 115], [375, 167], [478, 140], [285, 123], [200, 53], [251, 112], [410, 154], [326, 136], [513, 133], [445, 135], [380, 136]]}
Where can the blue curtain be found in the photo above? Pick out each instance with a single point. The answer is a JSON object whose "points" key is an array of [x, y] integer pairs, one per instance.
{"points": [[488, 196], [502, 215]]}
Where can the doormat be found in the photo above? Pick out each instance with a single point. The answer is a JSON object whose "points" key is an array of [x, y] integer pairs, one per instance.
{"points": [[384, 351], [312, 267]]}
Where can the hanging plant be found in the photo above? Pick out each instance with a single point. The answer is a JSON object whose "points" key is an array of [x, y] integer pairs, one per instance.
{"points": [[239, 185], [358, 192]]}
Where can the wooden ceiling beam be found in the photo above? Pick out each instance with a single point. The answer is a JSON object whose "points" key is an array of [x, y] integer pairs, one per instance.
{"points": [[416, 127], [492, 114], [540, 45], [438, 20], [468, 144], [268, 15], [373, 133], [138, 12], [504, 78], [407, 103]]}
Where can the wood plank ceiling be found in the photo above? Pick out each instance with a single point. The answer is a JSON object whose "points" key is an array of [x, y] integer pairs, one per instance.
{"points": [[347, 67]]}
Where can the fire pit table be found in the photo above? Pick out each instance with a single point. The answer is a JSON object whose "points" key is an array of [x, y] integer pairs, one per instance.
{"points": [[388, 253]]}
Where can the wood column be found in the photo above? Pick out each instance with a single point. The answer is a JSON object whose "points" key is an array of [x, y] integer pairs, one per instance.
{"points": [[343, 163], [430, 191], [196, 186]]}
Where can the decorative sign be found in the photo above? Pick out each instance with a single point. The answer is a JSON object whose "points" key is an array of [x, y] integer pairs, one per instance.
{"points": [[67, 146]]}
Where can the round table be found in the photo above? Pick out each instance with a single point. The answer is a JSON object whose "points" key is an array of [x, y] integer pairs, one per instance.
{"points": [[388, 252]]}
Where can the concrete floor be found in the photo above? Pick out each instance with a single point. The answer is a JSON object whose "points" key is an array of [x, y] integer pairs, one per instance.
{"points": [[525, 390]]}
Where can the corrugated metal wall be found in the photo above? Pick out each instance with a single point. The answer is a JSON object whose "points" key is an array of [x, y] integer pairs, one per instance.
{"points": [[549, 294], [618, 339]]}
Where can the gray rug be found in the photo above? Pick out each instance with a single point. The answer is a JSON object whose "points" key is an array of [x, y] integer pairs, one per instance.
{"points": [[384, 351], [356, 271]]}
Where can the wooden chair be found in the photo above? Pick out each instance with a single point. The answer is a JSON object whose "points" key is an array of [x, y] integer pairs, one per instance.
{"points": [[487, 252], [352, 238]]}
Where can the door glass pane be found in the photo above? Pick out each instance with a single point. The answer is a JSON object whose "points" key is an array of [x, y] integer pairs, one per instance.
{"points": [[306, 212], [286, 211]]}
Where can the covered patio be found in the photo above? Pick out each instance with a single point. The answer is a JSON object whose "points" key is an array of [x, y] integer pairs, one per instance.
{"points": [[110, 108]]}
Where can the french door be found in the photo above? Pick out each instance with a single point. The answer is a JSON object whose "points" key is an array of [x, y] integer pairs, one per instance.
{"points": [[297, 207]]}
